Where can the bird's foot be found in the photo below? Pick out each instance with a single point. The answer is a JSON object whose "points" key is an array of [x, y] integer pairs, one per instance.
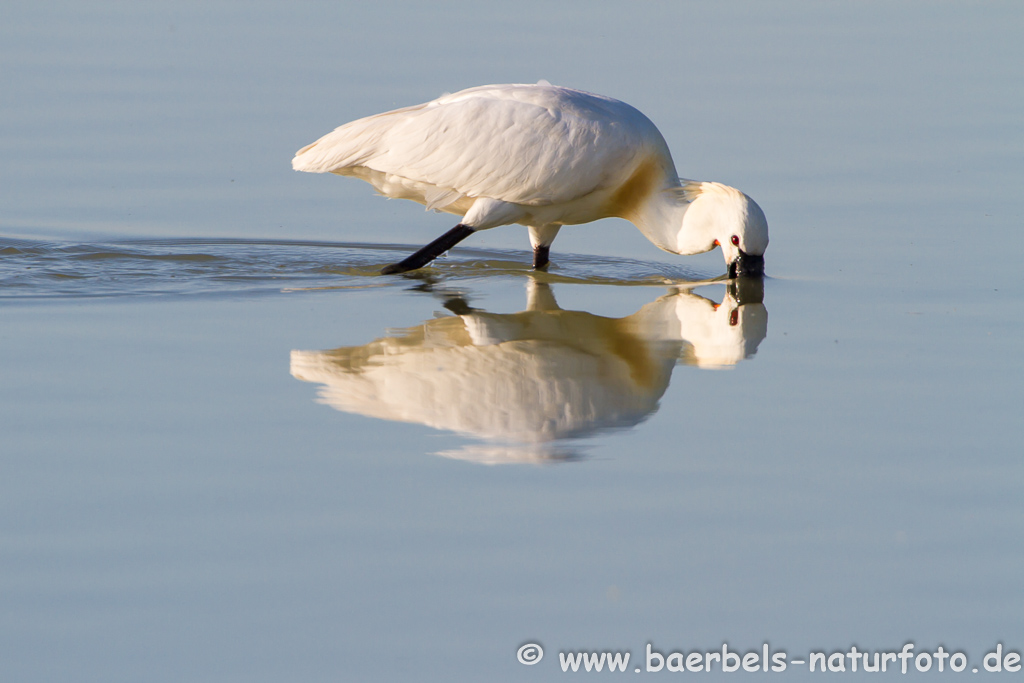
{"points": [[540, 256]]}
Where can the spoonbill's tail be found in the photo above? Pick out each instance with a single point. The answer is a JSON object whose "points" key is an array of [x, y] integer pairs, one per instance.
{"points": [[431, 251]]}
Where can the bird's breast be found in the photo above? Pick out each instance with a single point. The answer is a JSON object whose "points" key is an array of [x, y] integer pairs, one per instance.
{"points": [[626, 199]]}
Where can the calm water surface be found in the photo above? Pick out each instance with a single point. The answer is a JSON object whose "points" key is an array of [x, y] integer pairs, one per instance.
{"points": [[231, 451]]}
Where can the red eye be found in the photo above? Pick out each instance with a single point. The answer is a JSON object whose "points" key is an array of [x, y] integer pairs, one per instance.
{"points": [[735, 241]]}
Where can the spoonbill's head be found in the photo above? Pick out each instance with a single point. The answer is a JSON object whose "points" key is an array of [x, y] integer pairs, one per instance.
{"points": [[722, 216]]}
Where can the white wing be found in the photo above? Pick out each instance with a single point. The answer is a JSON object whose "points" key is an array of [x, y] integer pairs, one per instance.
{"points": [[524, 144]]}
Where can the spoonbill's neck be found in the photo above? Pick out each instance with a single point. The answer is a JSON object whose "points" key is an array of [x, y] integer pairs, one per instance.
{"points": [[660, 219], [688, 218]]}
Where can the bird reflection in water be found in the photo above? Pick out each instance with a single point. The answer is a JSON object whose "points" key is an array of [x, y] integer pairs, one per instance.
{"points": [[526, 382]]}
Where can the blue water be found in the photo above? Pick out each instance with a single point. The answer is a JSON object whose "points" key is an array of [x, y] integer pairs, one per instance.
{"points": [[232, 451]]}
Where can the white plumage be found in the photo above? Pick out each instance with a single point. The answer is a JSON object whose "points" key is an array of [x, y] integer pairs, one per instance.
{"points": [[541, 156]]}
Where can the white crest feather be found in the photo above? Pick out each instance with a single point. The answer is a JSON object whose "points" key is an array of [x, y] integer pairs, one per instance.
{"points": [[687, 192]]}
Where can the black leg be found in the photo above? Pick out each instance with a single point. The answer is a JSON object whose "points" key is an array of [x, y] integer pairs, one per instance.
{"points": [[431, 251], [540, 256]]}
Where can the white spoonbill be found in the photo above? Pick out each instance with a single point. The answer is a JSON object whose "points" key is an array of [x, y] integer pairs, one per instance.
{"points": [[541, 156]]}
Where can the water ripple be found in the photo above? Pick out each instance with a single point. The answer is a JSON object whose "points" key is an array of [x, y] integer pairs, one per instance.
{"points": [[160, 267]]}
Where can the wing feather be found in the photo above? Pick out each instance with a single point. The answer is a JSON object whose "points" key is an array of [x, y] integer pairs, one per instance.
{"points": [[526, 144]]}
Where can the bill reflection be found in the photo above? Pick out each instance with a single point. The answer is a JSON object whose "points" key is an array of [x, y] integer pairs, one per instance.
{"points": [[524, 383]]}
